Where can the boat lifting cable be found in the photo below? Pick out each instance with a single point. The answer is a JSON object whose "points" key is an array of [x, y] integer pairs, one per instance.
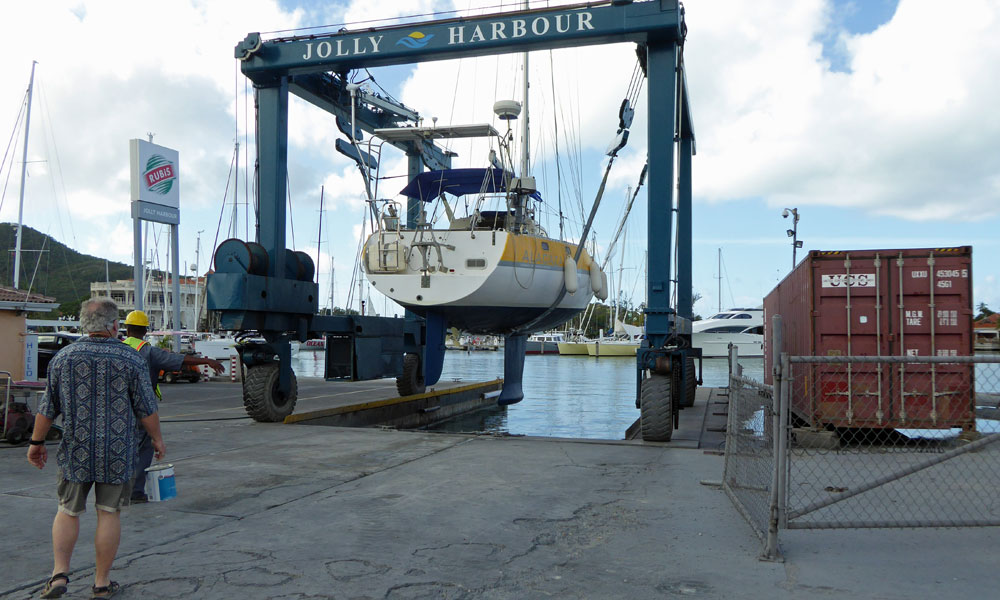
{"points": [[628, 209], [621, 138]]}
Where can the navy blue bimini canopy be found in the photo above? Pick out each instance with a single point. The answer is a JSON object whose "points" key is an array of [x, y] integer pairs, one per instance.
{"points": [[429, 185]]}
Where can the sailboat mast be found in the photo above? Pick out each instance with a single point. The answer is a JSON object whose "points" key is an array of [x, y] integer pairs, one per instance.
{"points": [[197, 282], [236, 192], [525, 152], [521, 201], [720, 279], [24, 170], [319, 236], [524, 122], [333, 280]]}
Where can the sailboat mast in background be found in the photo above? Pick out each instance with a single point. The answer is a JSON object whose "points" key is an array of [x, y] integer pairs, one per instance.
{"points": [[720, 279], [24, 169]]}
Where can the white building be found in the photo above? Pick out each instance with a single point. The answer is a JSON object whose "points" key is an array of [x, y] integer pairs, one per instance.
{"points": [[160, 314]]}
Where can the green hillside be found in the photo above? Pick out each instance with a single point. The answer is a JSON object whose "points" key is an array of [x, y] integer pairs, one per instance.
{"points": [[63, 273]]}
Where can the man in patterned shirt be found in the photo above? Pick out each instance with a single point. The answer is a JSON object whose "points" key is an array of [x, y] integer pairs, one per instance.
{"points": [[101, 388]]}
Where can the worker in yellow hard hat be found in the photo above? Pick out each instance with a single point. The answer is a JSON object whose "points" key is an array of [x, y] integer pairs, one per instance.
{"points": [[136, 324]]}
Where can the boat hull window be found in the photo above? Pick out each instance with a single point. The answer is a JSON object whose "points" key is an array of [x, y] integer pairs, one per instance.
{"points": [[725, 329]]}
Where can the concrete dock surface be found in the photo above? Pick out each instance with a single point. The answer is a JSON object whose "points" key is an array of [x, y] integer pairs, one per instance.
{"points": [[295, 511]]}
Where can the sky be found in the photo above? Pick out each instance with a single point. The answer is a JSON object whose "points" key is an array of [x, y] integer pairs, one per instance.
{"points": [[875, 119]]}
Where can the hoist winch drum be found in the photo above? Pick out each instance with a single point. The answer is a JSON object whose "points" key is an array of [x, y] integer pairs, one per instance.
{"points": [[236, 256]]}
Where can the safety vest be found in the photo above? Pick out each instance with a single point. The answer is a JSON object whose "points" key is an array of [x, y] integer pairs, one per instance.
{"points": [[137, 344]]}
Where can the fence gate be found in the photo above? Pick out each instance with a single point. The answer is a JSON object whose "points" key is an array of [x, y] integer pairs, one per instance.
{"points": [[866, 442]]}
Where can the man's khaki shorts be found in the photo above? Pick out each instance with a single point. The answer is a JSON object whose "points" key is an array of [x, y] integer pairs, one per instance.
{"points": [[109, 497]]}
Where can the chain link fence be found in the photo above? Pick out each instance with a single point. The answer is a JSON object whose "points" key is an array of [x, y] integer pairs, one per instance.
{"points": [[748, 475], [892, 442], [852, 442]]}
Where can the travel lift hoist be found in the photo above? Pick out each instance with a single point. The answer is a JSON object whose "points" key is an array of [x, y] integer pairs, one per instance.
{"points": [[265, 288]]}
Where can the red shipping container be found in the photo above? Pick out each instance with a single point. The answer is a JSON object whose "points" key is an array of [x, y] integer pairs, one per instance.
{"points": [[914, 302]]}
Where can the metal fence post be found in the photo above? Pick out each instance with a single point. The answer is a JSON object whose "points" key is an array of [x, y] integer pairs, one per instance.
{"points": [[783, 438], [734, 394], [774, 516], [734, 361]]}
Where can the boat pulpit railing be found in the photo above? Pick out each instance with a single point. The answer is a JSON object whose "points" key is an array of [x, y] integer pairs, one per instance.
{"points": [[389, 219], [389, 253]]}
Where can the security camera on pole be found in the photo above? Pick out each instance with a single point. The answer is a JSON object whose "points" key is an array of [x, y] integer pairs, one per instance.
{"points": [[156, 197], [794, 231]]}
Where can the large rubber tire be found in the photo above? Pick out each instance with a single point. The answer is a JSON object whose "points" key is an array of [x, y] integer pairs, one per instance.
{"points": [[690, 384], [656, 415], [261, 398], [412, 380], [168, 377]]}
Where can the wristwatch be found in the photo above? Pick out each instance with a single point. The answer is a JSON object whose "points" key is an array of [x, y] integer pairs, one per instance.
{"points": [[36, 442]]}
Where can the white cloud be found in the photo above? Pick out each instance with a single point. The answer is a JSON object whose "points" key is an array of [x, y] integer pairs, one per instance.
{"points": [[909, 132]]}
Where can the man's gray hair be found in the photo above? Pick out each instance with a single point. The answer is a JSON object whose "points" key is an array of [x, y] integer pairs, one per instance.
{"points": [[98, 315]]}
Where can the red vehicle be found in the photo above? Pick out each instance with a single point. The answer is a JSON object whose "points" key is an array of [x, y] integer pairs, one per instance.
{"points": [[913, 302], [186, 373]]}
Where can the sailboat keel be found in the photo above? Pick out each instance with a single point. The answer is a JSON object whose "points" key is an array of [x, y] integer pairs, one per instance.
{"points": [[434, 349], [513, 369]]}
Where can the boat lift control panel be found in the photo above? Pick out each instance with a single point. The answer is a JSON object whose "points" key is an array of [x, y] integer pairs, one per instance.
{"points": [[262, 285]]}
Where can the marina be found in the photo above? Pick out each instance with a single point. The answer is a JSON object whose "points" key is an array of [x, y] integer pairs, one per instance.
{"points": [[500, 399]]}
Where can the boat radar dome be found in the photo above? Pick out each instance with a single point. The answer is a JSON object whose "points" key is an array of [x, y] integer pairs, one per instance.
{"points": [[507, 110]]}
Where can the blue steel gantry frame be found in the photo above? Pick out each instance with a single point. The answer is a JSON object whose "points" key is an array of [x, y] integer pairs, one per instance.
{"points": [[314, 67]]}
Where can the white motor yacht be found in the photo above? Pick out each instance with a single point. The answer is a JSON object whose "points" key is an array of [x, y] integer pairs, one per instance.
{"points": [[743, 327]]}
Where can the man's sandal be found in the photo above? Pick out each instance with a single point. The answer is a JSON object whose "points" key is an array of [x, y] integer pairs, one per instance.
{"points": [[55, 591], [107, 591]]}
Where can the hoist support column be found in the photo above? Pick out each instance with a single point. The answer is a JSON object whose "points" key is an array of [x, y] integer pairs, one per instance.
{"points": [[272, 151], [661, 65], [415, 166], [684, 250]]}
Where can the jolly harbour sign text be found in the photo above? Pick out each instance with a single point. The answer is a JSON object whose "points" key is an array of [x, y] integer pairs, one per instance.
{"points": [[461, 34]]}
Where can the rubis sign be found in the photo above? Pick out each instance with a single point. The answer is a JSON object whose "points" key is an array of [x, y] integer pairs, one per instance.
{"points": [[155, 174], [160, 174]]}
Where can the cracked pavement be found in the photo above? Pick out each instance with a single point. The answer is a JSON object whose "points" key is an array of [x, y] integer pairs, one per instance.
{"points": [[301, 512]]}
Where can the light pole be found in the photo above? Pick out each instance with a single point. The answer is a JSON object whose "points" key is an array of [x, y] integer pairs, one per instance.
{"points": [[794, 231]]}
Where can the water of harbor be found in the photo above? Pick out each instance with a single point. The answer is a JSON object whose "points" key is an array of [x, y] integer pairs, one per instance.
{"points": [[564, 396], [587, 397]]}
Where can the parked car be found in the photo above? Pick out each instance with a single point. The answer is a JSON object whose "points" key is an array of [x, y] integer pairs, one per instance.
{"points": [[187, 372], [49, 344]]}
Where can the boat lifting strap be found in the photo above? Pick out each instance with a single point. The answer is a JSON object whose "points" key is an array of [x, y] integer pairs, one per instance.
{"points": [[612, 155], [579, 247]]}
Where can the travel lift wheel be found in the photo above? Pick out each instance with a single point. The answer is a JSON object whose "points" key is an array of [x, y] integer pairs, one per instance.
{"points": [[412, 380], [656, 414], [690, 384], [261, 398]]}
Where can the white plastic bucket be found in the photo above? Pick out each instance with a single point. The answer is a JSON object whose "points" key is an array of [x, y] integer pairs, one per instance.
{"points": [[160, 484]]}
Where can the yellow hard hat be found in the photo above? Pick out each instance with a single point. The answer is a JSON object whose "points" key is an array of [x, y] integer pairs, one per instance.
{"points": [[137, 317]]}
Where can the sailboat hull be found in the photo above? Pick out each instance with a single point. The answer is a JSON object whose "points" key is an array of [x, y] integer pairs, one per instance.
{"points": [[573, 348], [612, 348], [483, 282], [496, 319]]}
